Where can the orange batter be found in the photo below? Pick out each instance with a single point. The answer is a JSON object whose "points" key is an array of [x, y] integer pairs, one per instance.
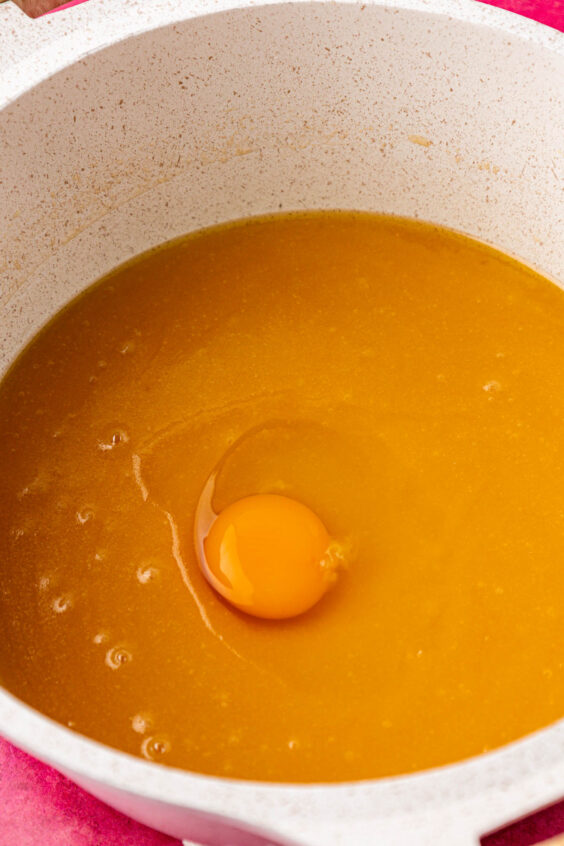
{"points": [[402, 385]]}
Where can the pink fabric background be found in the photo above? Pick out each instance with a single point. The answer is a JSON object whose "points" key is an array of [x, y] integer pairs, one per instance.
{"points": [[39, 807]]}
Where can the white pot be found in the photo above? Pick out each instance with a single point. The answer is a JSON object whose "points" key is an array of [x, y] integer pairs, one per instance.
{"points": [[126, 124]]}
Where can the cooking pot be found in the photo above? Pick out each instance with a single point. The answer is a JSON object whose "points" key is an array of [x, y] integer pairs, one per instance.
{"points": [[127, 124]]}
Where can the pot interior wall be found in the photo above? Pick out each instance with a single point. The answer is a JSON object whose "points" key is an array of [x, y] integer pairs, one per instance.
{"points": [[275, 108]]}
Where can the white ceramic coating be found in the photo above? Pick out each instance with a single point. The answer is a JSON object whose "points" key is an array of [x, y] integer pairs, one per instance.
{"points": [[126, 124]]}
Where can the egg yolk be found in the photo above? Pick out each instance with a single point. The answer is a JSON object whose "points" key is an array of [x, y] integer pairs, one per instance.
{"points": [[270, 556]]}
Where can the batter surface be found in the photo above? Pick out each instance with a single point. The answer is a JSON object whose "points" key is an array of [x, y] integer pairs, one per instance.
{"points": [[403, 382]]}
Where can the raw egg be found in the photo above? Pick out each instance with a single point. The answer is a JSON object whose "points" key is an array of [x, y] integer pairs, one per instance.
{"points": [[269, 556]]}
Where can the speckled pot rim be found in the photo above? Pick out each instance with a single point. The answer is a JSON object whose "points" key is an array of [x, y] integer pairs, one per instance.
{"points": [[511, 772], [424, 791], [95, 27]]}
